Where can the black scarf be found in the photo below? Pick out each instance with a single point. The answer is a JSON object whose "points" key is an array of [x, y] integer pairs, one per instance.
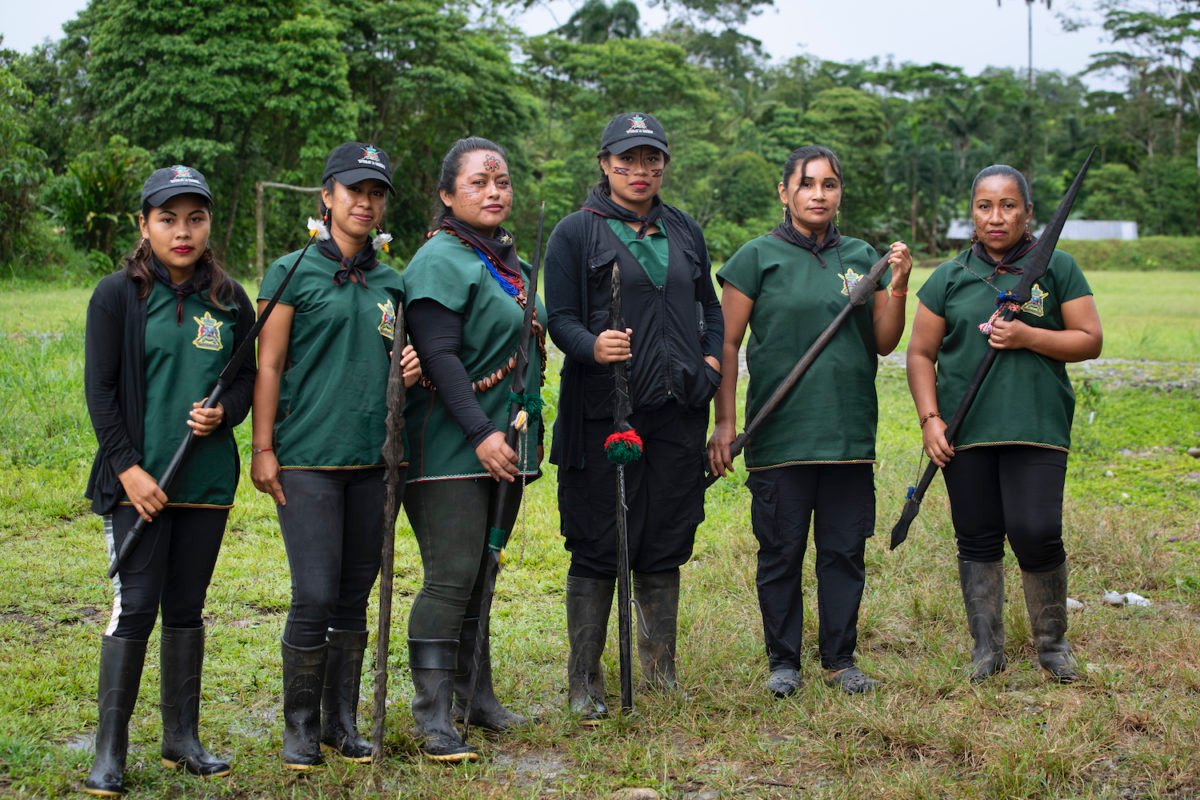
{"points": [[602, 204], [199, 282], [788, 233], [500, 250], [1015, 253], [364, 261]]}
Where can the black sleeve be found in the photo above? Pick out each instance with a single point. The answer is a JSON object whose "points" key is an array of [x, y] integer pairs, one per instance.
{"points": [[437, 337], [713, 341], [238, 396], [104, 341], [564, 277]]}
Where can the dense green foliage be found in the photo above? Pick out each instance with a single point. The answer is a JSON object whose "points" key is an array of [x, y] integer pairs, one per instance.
{"points": [[261, 91], [1147, 253]]}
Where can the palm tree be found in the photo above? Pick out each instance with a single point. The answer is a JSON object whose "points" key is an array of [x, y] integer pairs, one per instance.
{"points": [[1029, 85], [1029, 8]]}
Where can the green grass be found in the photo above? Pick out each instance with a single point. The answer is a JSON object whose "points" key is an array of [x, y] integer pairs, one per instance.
{"points": [[1127, 731]]}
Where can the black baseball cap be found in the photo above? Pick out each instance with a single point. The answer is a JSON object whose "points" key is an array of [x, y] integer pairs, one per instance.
{"points": [[165, 183], [626, 131], [353, 162]]}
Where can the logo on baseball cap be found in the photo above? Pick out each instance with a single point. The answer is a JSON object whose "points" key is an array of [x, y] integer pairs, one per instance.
{"points": [[354, 162], [626, 131], [165, 183]]}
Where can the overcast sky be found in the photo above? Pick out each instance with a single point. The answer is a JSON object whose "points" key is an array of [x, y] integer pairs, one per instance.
{"points": [[972, 34]]}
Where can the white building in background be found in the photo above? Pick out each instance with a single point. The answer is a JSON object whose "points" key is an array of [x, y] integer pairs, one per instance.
{"points": [[1075, 229]]}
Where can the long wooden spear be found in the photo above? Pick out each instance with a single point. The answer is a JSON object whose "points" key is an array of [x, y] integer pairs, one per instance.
{"points": [[1039, 261]]}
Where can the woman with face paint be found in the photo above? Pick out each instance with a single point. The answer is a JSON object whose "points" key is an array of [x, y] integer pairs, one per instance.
{"points": [[1006, 470], [159, 332], [466, 292], [812, 458], [672, 345], [319, 413]]}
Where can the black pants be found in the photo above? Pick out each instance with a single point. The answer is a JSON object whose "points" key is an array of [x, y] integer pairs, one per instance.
{"points": [[1008, 489], [664, 494], [840, 499], [450, 520], [170, 568], [333, 531]]}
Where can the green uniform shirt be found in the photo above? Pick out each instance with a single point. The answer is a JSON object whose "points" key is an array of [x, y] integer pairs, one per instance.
{"points": [[183, 360], [1026, 398], [448, 272], [333, 395], [831, 414], [651, 251]]}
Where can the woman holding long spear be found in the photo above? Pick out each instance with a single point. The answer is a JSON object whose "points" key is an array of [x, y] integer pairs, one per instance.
{"points": [[1006, 469], [158, 334], [319, 427], [812, 458]]}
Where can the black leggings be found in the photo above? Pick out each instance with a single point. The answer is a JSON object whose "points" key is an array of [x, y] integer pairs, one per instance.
{"points": [[170, 568], [1008, 489], [333, 529]]}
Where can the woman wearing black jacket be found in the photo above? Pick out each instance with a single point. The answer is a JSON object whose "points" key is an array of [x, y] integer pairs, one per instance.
{"points": [[673, 346], [158, 334]]}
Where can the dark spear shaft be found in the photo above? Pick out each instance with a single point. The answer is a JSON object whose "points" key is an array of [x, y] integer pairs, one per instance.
{"points": [[393, 456], [502, 495], [223, 380], [622, 408], [1039, 260], [858, 296]]}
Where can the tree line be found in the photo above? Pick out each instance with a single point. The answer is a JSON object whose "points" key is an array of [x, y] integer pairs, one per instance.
{"points": [[250, 92]]}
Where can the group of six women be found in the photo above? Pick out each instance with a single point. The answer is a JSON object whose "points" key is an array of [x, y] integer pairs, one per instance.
{"points": [[318, 398]]}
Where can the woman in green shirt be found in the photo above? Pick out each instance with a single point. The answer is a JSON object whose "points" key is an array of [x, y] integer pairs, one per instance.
{"points": [[465, 293], [1005, 471], [319, 413], [812, 458]]}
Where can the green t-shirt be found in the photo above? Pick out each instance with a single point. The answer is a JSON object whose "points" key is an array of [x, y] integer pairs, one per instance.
{"points": [[183, 360], [333, 395], [1026, 398], [651, 251], [831, 414], [448, 272]]}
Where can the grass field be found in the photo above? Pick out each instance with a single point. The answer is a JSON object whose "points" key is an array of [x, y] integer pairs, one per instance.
{"points": [[1127, 731]]}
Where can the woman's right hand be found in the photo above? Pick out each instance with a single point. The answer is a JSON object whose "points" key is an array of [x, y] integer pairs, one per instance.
{"points": [[143, 491], [264, 471], [933, 438], [497, 457], [719, 458], [612, 346]]}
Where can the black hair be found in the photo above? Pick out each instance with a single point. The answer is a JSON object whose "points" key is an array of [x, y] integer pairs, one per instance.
{"points": [[137, 266], [451, 165], [1008, 172], [799, 159], [323, 209], [602, 183]]}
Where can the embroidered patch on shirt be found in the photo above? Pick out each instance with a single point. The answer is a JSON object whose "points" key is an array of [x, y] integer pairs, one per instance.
{"points": [[1036, 304], [849, 279], [387, 319], [208, 334]]}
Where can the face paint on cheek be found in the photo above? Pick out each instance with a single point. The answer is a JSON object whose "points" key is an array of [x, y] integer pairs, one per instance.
{"points": [[468, 190], [656, 173], [620, 170], [491, 163]]}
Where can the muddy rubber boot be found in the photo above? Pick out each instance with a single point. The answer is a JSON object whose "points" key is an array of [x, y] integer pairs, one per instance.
{"points": [[657, 596], [433, 663], [486, 710], [339, 702], [1046, 599], [983, 597], [589, 602], [182, 659], [303, 678], [121, 663]]}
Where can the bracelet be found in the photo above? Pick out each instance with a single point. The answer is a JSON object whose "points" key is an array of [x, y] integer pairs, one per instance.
{"points": [[900, 293], [256, 450], [929, 416]]}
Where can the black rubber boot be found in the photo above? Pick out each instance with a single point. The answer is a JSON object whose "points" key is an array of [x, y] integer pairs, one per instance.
{"points": [[182, 658], [589, 602], [486, 710], [1046, 599], [983, 597], [433, 663], [121, 663], [339, 704], [303, 678], [657, 596]]}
